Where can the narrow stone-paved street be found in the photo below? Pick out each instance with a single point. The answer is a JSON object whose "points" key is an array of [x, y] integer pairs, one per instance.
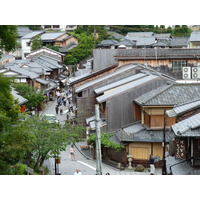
{"points": [[87, 166]]}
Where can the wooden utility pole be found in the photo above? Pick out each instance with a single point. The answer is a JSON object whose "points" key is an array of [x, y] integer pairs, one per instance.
{"points": [[98, 141]]}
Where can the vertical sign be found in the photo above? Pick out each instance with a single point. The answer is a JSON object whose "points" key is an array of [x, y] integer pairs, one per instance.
{"points": [[180, 148]]}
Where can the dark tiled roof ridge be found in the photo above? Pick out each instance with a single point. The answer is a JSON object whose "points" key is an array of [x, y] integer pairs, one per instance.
{"points": [[163, 88], [176, 106]]}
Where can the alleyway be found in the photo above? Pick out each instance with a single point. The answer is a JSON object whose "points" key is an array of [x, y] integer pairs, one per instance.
{"points": [[87, 166]]}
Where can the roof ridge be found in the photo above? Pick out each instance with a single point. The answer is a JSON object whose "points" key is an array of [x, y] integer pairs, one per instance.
{"points": [[186, 103], [159, 92]]}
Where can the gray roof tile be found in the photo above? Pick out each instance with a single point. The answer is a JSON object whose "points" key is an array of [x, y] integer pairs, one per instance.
{"points": [[173, 94], [183, 108], [138, 133], [185, 127]]}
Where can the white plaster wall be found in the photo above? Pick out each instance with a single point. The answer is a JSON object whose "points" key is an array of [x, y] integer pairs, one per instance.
{"points": [[25, 48]]}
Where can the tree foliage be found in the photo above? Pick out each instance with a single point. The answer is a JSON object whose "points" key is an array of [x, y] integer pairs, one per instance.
{"points": [[8, 37], [36, 43], [34, 98], [181, 31], [9, 109], [86, 43], [55, 48], [49, 139], [105, 141]]}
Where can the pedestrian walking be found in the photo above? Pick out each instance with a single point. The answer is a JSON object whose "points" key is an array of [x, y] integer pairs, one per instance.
{"points": [[61, 110], [152, 167], [57, 109], [59, 101], [64, 101], [77, 172], [72, 153]]}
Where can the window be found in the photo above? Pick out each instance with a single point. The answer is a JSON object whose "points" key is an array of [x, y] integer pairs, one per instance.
{"points": [[56, 26], [47, 26], [28, 44], [177, 65]]}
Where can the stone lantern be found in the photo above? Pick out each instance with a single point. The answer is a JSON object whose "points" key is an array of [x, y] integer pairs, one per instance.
{"points": [[130, 159]]}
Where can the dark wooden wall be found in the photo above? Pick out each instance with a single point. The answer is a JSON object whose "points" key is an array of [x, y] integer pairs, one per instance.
{"points": [[120, 108]]}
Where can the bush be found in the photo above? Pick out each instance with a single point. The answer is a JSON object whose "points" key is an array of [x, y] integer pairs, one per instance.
{"points": [[20, 169], [139, 168]]}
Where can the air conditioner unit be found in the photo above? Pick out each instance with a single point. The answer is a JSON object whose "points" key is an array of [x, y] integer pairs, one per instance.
{"points": [[195, 72], [186, 73]]}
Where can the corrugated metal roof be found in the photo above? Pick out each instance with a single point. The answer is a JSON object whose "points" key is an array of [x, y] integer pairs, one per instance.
{"points": [[118, 83], [183, 128], [107, 76], [126, 87], [183, 108]]}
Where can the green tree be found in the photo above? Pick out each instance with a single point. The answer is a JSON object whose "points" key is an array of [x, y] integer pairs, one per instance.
{"points": [[9, 108], [82, 51], [34, 98], [50, 139], [55, 48], [181, 31], [36, 43], [105, 141], [8, 37]]}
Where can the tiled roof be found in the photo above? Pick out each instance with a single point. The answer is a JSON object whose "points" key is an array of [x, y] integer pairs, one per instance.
{"points": [[162, 35], [115, 35], [126, 43], [23, 30], [22, 71], [108, 42], [44, 82], [144, 41], [51, 36], [161, 43], [195, 36], [183, 108], [179, 41], [139, 34], [18, 97], [32, 34], [138, 133], [186, 127], [173, 94]]}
